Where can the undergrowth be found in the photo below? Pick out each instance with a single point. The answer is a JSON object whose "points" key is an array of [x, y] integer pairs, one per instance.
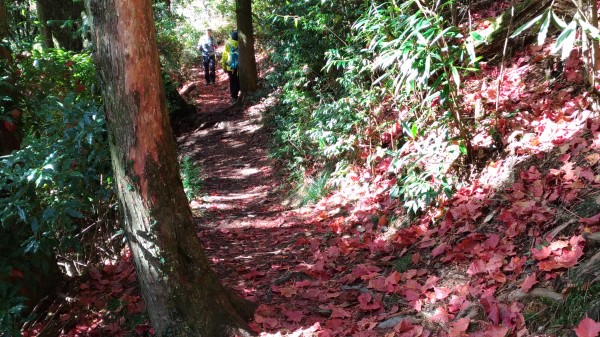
{"points": [[385, 91], [580, 301], [191, 177]]}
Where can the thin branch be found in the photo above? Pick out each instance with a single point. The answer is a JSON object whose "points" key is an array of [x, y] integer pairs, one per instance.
{"points": [[512, 15]]}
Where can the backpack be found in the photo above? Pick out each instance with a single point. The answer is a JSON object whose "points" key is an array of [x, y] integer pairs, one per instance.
{"points": [[233, 60]]}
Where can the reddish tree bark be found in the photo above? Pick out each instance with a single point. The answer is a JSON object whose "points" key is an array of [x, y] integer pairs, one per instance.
{"points": [[182, 294]]}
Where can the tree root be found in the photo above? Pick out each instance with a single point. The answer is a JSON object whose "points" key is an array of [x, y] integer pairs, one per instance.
{"points": [[519, 294]]}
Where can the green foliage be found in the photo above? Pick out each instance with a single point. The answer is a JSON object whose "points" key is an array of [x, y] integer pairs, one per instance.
{"points": [[418, 60], [54, 74], [315, 188], [316, 121], [59, 182], [424, 169], [191, 177], [566, 39], [334, 80], [176, 40], [580, 301], [10, 306], [23, 23], [53, 187], [402, 264]]}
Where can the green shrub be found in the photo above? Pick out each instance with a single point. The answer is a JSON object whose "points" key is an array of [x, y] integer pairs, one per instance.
{"points": [[59, 182], [334, 82], [315, 188], [176, 40]]}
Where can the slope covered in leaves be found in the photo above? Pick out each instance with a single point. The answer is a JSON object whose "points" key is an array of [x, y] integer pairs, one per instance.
{"points": [[357, 265]]}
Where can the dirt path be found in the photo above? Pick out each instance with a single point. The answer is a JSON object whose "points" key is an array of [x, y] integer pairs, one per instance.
{"points": [[239, 183], [247, 233]]}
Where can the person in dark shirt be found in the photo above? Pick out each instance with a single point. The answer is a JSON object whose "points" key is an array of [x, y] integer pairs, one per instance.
{"points": [[207, 45]]}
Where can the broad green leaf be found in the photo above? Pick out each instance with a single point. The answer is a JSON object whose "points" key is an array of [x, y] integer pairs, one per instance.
{"points": [[414, 131], [528, 25], [74, 213], [21, 212], [544, 30], [477, 37], [34, 225], [32, 247], [48, 213]]}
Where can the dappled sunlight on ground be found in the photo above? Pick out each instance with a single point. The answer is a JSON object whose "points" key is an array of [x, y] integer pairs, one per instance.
{"points": [[356, 265]]}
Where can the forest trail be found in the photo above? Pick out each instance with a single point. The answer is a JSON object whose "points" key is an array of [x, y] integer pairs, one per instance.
{"points": [[336, 269], [246, 232]]}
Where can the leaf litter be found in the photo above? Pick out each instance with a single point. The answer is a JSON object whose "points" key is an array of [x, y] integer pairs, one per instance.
{"points": [[355, 264]]}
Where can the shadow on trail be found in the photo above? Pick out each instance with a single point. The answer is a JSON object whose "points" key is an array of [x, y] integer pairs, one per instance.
{"points": [[314, 272], [245, 231]]}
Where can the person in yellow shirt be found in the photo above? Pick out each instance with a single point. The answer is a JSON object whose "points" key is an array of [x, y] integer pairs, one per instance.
{"points": [[230, 61]]}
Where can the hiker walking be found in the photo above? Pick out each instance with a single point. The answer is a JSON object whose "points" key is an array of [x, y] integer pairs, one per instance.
{"points": [[230, 62], [207, 46]]}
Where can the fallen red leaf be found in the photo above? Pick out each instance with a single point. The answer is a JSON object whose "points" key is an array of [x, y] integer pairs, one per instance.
{"points": [[591, 221], [16, 273], [587, 328], [294, 315], [476, 267], [529, 282], [441, 249], [441, 292], [269, 322], [340, 313], [458, 328]]}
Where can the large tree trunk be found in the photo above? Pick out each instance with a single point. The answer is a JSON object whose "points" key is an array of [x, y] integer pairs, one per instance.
{"points": [[248, 71], [54, 14], [182, 293], [42, 13]]}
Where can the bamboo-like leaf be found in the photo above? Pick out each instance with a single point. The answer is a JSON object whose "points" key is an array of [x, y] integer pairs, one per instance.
{"points": [[470, 45], [568, 45], [456, 76], [558, 21], [590, 29], [477, 37], [440, 35], [527, 25], [544, 29], [565, 40]]}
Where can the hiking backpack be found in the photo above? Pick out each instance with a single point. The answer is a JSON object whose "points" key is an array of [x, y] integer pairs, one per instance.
{"points": [[234, 57]]}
